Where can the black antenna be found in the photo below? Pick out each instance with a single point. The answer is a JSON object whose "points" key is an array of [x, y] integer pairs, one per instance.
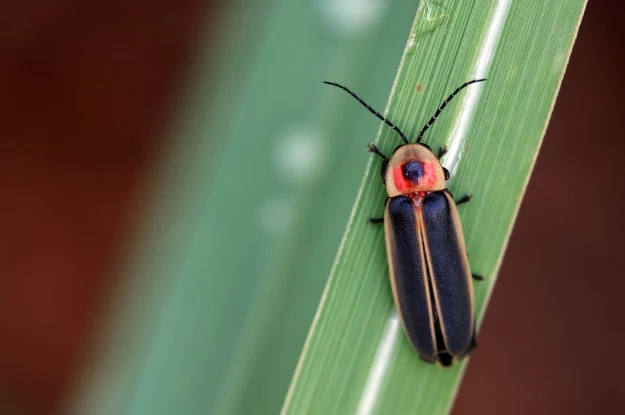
{"points": [[374, 112], [438, 111]]}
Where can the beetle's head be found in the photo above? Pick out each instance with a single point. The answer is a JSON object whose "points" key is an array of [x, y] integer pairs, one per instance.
{"points": [[413, 168]]}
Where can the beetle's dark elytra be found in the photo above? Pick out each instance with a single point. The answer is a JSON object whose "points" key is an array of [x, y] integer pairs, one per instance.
{"points": [[409, 275]]}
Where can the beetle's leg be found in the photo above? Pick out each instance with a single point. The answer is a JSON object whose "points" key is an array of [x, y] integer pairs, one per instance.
{"points": [[375, 150], [442, 151], [464, 199], [375, 221], [446, 172], [476, 277]]}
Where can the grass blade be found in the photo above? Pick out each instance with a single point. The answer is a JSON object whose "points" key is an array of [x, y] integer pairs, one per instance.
{"points": [[356, 359]]}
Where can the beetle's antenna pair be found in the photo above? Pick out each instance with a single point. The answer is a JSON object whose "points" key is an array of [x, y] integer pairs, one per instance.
{"points": [[393, 126]]}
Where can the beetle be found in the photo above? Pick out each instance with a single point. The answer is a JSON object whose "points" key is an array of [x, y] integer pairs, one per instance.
{"points": [[431, 279]]}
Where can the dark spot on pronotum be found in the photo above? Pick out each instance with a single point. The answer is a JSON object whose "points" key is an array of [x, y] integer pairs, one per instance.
{"points": [[413, 171]]}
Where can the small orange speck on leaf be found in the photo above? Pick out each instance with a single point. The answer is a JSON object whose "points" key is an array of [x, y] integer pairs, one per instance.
{"points": [[419, 87]]}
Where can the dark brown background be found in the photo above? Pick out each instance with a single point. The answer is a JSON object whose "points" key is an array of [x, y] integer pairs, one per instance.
{"points": [[84, 87]]}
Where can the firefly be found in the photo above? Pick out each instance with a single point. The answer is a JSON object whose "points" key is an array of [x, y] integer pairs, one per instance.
{"points": [[431, 279]]}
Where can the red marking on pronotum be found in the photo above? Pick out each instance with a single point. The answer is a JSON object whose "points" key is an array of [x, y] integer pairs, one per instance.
{"points": [[429, 174], [400, 181], [404, 185]]}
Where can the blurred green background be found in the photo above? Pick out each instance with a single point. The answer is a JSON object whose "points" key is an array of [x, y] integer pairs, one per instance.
{"points": [[177, 181], [247, 210]]}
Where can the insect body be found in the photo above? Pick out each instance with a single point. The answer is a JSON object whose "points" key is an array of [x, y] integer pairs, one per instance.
{"points": [[427, 258]]}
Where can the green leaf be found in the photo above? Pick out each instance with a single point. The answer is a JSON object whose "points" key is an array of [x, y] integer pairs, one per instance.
{"points": [[356, 358]]}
